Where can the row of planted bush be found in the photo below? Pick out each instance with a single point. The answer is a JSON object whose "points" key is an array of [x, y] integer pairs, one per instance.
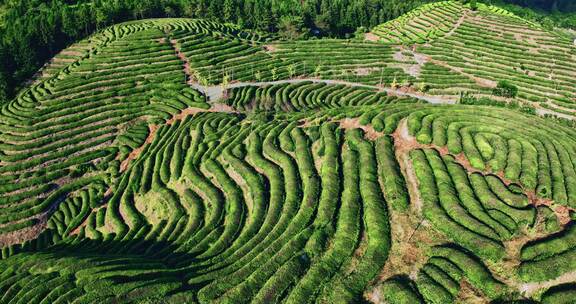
{"points": [[301, 96]]}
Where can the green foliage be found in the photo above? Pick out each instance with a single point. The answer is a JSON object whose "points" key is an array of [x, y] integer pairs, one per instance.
{"points": [[474, 5], [291, 27], [400, 290], [505, 89], [563, 293], [287, 193]]}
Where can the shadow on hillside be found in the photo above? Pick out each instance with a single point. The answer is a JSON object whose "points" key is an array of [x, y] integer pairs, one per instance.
{"points": [[120, 264]]}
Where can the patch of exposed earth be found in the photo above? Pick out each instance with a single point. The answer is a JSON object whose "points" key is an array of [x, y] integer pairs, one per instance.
{"points": [[371, 37]]}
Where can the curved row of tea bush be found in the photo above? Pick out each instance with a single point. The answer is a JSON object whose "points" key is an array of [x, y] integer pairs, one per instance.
{"points": [[439, 279], [303, 96]]}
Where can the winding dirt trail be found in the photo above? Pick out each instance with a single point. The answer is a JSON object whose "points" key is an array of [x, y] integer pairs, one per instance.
{"points": [[457, 25], [411, 236], [215, 107], [528, 289], [403, 144], [410, 240], [354, 123], [136, 152], [184, 59], [217, 92]]}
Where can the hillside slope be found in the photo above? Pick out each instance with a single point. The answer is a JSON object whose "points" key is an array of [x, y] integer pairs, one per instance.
{"points": [[184, 161], [466, 50]]}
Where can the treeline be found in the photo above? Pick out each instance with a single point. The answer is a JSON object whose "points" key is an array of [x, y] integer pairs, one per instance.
{"points": [[561, 14], [549, 5], [33, 31]]}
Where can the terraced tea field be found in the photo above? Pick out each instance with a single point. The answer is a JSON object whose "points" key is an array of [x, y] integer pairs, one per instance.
{"points": [[465, 50], [186, 161]]}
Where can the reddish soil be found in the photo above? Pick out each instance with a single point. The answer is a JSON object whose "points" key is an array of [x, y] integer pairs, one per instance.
{"points": [[220, 107], [270, 48], [404, 143], [371, 37], [354, 123], [186, 112], [562, 212], [22, 235], [136, 152], [187, 69], [469, 294]]}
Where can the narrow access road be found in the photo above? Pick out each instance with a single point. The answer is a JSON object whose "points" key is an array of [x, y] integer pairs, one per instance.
{"points": [[216, 93]]}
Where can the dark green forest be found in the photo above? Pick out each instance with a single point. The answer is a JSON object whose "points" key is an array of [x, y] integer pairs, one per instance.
{"points": [[33, 31], [549, 5]]}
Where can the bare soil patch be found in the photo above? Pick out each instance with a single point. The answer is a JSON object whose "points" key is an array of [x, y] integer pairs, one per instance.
{"points": [[469, 294], [398, 56], [136, 152], [529, 289], [26, 234], [270, 48], [364, 71], [354, 123], [407, 64], [403, 144], [186, 63], [183, 114], [371, 37], [562, 212], [374, 295], [458, 24], [221, 107], [411, 238]]}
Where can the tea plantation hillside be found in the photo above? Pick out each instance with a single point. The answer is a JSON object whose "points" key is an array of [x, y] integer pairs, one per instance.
{"points": [[464, 50], [187, 161]]}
